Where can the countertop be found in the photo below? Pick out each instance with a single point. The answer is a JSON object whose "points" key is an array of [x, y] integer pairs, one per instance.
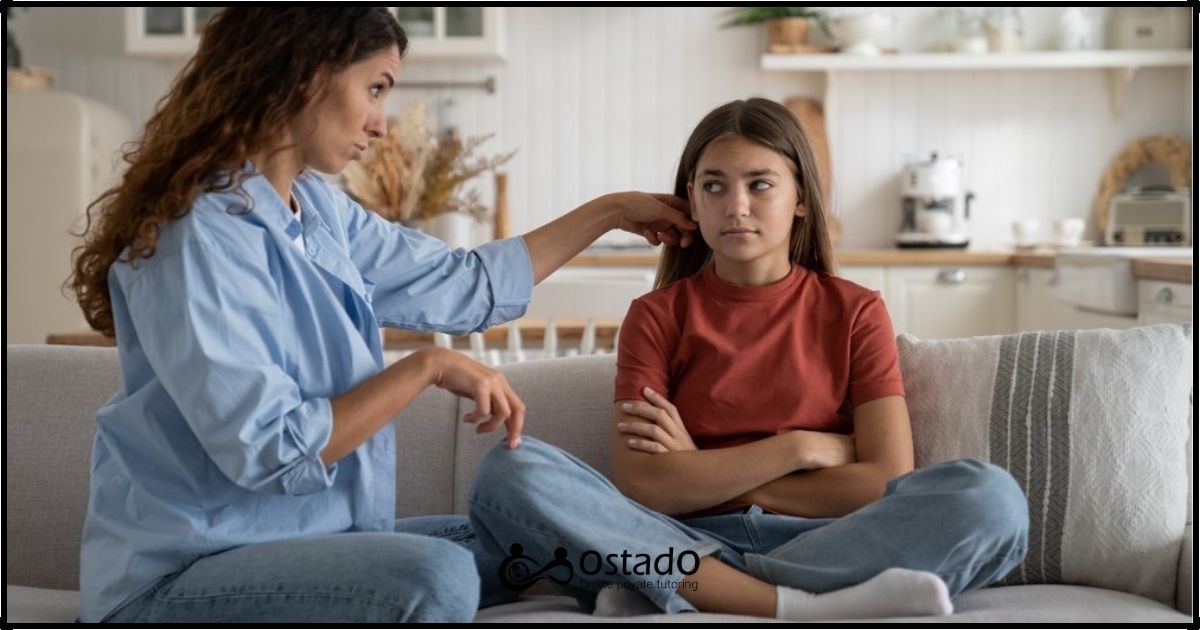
{"points": [[1164, 269]]}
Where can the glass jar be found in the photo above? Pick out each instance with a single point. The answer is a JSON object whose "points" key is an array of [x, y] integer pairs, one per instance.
{"points": [[1005, 29], [971, 38]]}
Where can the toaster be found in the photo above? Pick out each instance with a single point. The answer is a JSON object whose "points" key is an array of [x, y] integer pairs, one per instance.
{"points": [[1150, 216]]}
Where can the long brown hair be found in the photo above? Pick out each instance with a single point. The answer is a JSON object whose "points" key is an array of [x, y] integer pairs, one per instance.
{"points": [[254, 72], [775, 127]]}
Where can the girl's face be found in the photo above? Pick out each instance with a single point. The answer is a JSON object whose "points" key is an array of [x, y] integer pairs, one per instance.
{"points": [[336, 126], [744, 196]]}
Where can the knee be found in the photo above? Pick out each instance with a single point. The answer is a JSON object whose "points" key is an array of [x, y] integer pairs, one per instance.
{"points": [[507, 474], [441, 580], [986, 497]]}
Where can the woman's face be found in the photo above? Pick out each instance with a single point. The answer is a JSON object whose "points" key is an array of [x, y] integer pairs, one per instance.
{"points": [[744, 196], [336, 126]]}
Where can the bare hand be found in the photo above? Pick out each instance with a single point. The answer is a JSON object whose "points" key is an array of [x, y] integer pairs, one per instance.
{"points": [[662, 430], [827, 450], [657, 217], [493, 396]]}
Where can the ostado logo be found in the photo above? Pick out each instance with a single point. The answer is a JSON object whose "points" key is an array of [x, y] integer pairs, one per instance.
{"points": [[518, 570]]}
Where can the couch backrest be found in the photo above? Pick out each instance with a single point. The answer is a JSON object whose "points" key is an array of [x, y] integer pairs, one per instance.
{"points": [[52, 394]]}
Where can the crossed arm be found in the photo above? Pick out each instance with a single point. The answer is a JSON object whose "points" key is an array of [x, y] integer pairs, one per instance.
{"points": [[802, 473]]}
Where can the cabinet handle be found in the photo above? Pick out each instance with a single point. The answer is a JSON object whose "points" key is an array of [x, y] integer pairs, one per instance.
{"points": [[952, 276], [1164, 295]]}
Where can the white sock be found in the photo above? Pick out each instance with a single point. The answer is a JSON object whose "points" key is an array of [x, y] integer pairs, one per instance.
{"points": [[893, 593], [617, 600]]}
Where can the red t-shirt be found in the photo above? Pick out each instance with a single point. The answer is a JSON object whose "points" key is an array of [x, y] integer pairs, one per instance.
{"points": [[744, 363]]}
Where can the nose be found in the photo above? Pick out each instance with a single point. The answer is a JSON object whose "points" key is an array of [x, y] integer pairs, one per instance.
{"points": [[739, 203], [376, 125]]}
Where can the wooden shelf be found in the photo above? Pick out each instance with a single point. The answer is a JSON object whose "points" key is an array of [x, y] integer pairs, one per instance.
{"points": [[1033, 60], [1120, 65]]}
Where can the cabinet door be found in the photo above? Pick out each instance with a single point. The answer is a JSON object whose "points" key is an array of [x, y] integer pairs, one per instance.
{"points": [[943, 302], [165, 30], [1164, 303], [1038, 305], [869, 277], [453, 32]]}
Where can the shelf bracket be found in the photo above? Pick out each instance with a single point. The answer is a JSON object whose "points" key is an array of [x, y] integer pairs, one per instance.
{"points": [[1118, 82]]}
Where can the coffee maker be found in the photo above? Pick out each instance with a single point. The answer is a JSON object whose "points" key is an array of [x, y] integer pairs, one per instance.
{"points": [[934, 206]]}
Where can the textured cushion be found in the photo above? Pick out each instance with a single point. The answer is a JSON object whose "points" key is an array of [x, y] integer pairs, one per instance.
{"points": [[1092, 424], [425, 454], [1010, 604]]}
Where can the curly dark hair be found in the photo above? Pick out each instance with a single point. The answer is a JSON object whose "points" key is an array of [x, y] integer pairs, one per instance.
{"points": [[247, 81]]}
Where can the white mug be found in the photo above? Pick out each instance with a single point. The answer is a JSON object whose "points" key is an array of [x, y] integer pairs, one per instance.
{"points": [[1068, 232], [1025, 232]]}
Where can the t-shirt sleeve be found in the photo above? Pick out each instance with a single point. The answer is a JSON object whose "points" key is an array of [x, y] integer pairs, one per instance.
{"points": [[874, 360], [643, 354]]}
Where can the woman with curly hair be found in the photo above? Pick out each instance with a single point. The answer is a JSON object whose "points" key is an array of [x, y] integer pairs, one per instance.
{"points": [[245, 469]]}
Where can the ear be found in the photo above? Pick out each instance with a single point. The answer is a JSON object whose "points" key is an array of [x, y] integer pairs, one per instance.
{"points": [[691, 208]]}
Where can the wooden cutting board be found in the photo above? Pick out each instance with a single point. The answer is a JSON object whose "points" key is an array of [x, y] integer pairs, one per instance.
{"points": [[812, 120]]}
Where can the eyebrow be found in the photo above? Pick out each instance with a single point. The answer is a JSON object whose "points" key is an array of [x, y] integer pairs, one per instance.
{"points": [[755, 173], [391, 81]]}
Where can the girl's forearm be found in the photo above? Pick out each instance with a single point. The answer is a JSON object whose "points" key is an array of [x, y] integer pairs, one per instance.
{"points": [[823, 493]]}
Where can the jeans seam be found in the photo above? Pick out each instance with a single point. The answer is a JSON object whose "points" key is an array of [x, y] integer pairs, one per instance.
{"points": [[974, 567], [177, 599]]}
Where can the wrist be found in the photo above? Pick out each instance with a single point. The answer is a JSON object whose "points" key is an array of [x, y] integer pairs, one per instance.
{"points": [[428, 364], [606, 212]]}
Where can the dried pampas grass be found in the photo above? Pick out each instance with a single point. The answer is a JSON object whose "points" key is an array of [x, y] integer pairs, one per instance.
{"points": [[413, 174]]}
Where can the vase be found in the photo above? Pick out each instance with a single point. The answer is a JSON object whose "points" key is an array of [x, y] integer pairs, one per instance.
{"points": [[453, 228], [787, 35]]}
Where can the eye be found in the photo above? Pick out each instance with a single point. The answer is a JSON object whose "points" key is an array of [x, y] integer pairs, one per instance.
{"points": [[377, 90], [760, 185], [712, 187]]}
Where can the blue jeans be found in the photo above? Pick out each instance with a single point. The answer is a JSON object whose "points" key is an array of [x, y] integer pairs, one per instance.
{"points": [[422, 573], [964, 520]]}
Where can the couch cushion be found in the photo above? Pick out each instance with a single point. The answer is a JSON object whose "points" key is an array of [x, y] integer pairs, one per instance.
{"points": [[1008, 604], [1092, 424], [568, 404], [425, 433], [51, 397]]}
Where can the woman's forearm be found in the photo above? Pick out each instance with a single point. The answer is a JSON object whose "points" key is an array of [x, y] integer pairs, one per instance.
{"points": [[361, 412], [560, 240]]}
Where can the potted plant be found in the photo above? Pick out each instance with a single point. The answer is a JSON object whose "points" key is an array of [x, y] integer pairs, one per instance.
{"points": [[787, 27]]}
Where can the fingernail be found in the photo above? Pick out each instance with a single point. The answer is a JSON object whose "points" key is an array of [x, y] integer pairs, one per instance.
{"points": [[626, 406], [621, 425], [517, 443], [631, 442], [647, 391]]}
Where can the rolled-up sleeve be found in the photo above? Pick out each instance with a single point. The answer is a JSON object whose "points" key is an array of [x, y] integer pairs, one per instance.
{"points": [[208, 323], [421, 284]]}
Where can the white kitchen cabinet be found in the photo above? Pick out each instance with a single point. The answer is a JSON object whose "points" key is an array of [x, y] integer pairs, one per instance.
{"points": [[1164, 302], [935, 302], [454, 32], [871, 277], [165, 30], [1037, 302]]}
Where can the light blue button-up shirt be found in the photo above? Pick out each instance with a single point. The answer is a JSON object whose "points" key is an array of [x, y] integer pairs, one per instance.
{"points": [[232, 342]]}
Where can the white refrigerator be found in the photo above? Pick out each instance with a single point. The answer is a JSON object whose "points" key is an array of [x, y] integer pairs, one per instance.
{"points": [[60, 153]]}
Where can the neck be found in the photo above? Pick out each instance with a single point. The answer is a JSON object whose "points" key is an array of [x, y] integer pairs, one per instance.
{"points": [[752, 273], [280, 168]]}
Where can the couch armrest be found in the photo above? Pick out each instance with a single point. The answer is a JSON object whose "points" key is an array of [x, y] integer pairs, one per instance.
{"points": [[1183, 581]]}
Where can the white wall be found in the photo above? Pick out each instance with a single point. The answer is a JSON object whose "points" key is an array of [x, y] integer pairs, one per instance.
{"points": [[602, 99]]}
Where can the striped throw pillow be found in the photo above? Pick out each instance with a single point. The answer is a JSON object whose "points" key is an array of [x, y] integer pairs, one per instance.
{"points": [[1092, 423]]}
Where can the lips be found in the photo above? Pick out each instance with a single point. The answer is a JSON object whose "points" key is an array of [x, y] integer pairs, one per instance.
{"points": [[739, 230]]}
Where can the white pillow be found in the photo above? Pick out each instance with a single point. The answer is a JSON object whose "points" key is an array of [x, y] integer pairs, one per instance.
{"points": [[1092, 424]]}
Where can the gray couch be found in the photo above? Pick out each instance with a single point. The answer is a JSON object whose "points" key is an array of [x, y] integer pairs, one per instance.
{"points": [[52, 394]]}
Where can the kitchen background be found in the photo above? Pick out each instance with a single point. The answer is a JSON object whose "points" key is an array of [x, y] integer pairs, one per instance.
{"points": [[602, 99]]}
